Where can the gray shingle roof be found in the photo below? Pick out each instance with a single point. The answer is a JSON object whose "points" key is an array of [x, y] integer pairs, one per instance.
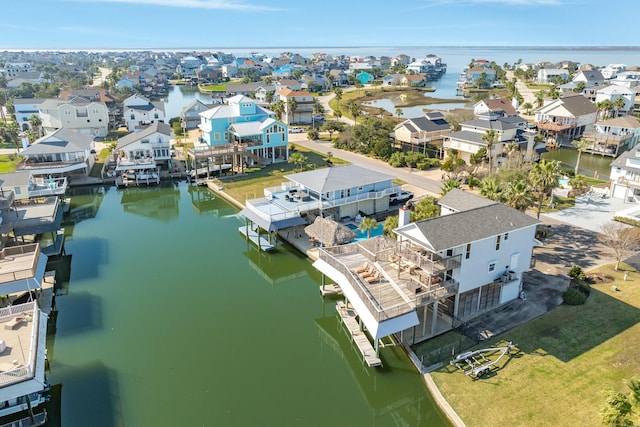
{"points": [[457, 229], [426, 125], [460, 200], [338, 178], [159, 127], [61, 141]]}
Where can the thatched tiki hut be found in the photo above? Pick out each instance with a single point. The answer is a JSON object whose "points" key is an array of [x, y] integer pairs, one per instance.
{"points": [[329, 233]]}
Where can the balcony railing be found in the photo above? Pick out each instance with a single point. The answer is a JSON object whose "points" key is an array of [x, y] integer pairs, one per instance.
{"points": [[629, 182], [607, 136], [43, 164], [22, 372], [559, 125], [48, 187], [9, 272]]}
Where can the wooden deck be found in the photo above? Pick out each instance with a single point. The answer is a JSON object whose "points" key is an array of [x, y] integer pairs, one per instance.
{"points": [[330, 289], [348, 317]]}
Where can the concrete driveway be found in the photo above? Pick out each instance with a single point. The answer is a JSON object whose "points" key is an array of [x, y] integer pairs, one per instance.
{"points": [[591, 213]]}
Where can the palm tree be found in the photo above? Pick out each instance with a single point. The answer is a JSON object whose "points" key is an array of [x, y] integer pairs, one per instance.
{"points": [[578, 183], [490, 188], [338, 93], [269, 96], [539, 97], [337, 114], [518, 195], [398, 112], [580, 145], [292, 106], [367, 225], [544, 178], [390, 224], [449, 185], [278, 108], [298, 159], [604, 109], [618, 104], [355, 111], [490, 137], [527, 107], [35, 123]]}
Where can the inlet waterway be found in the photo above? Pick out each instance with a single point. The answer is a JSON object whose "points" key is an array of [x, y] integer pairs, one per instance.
{"points": [[169, 318]]}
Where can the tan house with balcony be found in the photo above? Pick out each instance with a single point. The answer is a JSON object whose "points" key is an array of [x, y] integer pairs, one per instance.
{"points": [[304, 106], [565, 119], [611, 137], [422, 131], [79, 115]]}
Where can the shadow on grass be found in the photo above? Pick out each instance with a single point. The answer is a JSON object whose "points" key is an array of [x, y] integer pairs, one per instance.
{"points": [[569, 331]]}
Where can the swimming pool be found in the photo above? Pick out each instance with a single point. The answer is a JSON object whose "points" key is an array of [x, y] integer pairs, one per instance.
{"points": [[377, 231]]}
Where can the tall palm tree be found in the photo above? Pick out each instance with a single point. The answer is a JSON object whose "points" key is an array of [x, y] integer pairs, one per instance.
{"points": [[490, 138], [539, 97], [338, 114], [278, 108], [355, 111], [518, 195], [35, 123], [292, 106], [367, 225], [580, 145], [618, 104], [527, 107], [338, 93], [544, 178]]}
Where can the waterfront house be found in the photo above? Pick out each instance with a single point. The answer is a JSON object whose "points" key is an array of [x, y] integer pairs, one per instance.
{"points": [[468, 140], [339, 193], [611, 137], [364, 78], [565, 119], [61, 153], [190, 114], [147, 148], [140, 111], [24, 109], [439, 272], [251, 128], [590, 78], [23, 385], [625, 175], [77, 114], [430, 128], [629, 79], [30, 205]]}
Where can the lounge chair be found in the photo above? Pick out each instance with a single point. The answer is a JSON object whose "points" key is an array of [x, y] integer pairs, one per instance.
{"points": [[362, 268], [373, 278], [369, 272]]}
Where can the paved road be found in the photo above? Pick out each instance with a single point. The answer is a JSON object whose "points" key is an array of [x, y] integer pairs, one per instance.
{"points": [[420, 182]]}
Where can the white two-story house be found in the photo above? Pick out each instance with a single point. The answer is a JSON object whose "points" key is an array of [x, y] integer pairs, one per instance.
{"points": [[139, 111], [439, 272], [85, 117], [625, 175], [149, 147]]}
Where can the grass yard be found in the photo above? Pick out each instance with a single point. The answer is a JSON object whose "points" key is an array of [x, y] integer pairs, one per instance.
{"points": [[251, 184], [8, 163], [566, 359]]}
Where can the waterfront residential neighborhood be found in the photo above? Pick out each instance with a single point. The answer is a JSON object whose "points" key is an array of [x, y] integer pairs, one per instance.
{"points": [[426, 229]]}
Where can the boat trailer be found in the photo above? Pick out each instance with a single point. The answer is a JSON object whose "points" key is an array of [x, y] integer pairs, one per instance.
{"points": [[477, 363]]}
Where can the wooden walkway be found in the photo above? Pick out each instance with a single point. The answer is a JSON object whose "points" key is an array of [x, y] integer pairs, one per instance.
{"points": [[348, 317]]}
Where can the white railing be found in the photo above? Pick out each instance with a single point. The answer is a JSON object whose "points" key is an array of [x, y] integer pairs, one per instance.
{"points": [[123, 161], [267, 216], [7, 258], [20, 373], [51, 187]]}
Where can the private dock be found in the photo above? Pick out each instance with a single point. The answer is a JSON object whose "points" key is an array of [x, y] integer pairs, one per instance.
{"points": [[348, 317], [253, 235], [330, 289]]}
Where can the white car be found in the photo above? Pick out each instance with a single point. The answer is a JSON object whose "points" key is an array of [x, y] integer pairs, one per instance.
{"points": [[400, 197], [296, 130]]}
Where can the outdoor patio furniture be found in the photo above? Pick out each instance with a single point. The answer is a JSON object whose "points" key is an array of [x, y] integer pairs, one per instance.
{"points": [[373, 278], [369, 272], [362, 268]]}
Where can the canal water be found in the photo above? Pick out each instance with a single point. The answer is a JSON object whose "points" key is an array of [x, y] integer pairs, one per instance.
{"points": [[169, 318], [590, 164]]}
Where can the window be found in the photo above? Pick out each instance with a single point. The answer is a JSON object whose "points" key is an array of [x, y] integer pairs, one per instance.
{"points": [[498, 243], [156, 115], [449, 252], [144, 141], [506, 236], [133, 117], [468, 254], [492, 266], [268, 138], [216, 136]]}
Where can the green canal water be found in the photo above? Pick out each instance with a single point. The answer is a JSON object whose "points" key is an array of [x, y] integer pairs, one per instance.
{"points": [[170, 318], [589, 163]]}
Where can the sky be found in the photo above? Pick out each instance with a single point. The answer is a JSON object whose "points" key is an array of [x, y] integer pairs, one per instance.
{"points": [[139, 24]]}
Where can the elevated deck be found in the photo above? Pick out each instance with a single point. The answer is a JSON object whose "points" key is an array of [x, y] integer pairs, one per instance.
{"points": [[367, 351]]}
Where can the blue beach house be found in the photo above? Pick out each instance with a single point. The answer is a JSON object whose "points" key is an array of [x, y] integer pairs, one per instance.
{"points": [[244, 123], [364, 78]]}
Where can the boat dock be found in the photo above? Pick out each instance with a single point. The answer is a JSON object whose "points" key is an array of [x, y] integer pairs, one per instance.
{"points": [[259, 241], [330, 289], [348, 317]]}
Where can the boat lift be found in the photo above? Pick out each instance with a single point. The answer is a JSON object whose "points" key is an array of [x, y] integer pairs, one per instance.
{"points": [[477, 363]]}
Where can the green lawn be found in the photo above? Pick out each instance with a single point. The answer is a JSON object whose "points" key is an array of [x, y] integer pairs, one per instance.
{"points": [[566, 359], [8, 163], [251, 184]]}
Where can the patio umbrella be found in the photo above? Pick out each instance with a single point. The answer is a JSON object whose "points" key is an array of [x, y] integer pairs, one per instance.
{"points": [[329, 233]]}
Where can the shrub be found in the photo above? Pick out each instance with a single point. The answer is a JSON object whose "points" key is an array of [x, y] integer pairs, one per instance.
{"points": [[573, 296], [627, 221], [313, 134], [576, 273]]}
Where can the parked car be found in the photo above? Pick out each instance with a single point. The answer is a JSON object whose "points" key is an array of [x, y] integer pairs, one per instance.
{"points": [[296, 130], [318, 117], [401, 197]]}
